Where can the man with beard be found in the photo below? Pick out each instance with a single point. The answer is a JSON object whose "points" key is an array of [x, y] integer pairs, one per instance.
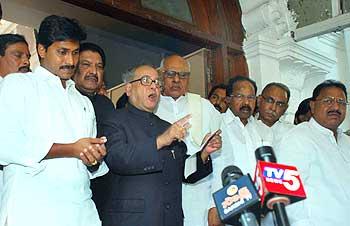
{"points": [[321, 152], [88, 78], [239, 134], [14, 54], [176, 102], [272, 104], [217, 96], [46, 136], [147, 158]]}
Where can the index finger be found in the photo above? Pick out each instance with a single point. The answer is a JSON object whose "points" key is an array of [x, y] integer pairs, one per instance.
{"points": [[100, 140], [184, 120]]}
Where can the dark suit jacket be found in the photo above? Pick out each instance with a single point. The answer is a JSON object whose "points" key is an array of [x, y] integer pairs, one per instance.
{"points": [[144, 186]]}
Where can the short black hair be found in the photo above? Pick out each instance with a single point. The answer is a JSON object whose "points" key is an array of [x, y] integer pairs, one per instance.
{"points": [[239, 78], [9, 39], [88, 46], [57, 28], [219, 86], [327, 84], [279, 85]]}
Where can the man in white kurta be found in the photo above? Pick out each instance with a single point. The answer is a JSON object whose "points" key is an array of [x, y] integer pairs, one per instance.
{"points": [[14, 57], [239, 134], [321, 152], [272, 104], [43, 119], [174, 104]]}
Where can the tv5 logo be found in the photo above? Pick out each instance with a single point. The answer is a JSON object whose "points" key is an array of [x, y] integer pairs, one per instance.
{"points": [[279, 179], [287, 177]]}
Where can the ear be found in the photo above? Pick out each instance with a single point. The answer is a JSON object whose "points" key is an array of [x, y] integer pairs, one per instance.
{"points": [[258, 103], [41, 51], [312, 106], [128, 89]]}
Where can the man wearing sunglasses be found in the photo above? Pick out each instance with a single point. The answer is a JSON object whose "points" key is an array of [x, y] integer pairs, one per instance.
{"points": [[175, 103], [321, 152], [147, 158], [272, 104]]}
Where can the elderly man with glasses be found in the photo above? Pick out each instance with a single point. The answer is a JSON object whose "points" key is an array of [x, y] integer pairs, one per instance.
{"points": [[147, 158], [175, 103], [321, 152]]}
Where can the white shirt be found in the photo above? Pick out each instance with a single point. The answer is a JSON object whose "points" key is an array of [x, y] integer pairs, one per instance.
{"points": [[195, 197], [277, 130], [1, 173], [239, 143], [35, 112], [324, 166]]}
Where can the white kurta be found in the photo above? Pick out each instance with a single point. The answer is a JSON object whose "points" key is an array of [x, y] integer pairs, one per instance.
{"points": [[195, 197], [239, 143], [324, 166], [278, 130], [35, 112], [1, 172]]}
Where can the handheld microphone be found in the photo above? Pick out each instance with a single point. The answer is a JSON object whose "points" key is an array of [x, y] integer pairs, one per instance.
{"points": [[238, 201], [278, 185]]}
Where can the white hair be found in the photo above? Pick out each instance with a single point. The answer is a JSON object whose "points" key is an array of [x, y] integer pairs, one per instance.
{"points": [[161, 66]]}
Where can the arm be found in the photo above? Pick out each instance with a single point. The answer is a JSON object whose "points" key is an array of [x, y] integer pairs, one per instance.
{"points": [[297, 150]]}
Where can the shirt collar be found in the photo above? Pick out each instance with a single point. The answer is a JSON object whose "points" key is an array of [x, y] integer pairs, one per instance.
{"points": [[139, 112], [323, 129], [44, 74], [179, 100], [229, 117]]}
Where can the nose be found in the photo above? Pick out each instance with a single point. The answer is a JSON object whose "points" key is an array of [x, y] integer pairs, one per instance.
{"points": [[69, 59], [25, 61], [93, 69], [274, 106], [176, 78]]}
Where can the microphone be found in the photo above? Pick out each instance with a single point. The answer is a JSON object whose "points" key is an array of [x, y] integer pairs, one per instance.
{"points": [[278, 185], [238, 201]]}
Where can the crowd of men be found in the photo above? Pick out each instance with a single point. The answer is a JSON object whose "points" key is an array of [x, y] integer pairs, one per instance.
{"points": [[149, 162]]}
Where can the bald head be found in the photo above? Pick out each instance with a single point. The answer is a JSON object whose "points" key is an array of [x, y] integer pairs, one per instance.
{"points": [[175, 71]]}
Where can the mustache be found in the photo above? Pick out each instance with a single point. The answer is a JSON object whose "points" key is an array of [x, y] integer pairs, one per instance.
{"points": [[274, 114], [91, 76], [334, 112], [218, 107], [69, 67], [246, 107], [24, 69]]}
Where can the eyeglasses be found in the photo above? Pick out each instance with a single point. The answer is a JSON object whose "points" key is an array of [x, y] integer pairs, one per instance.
{"points": [[181, 74], [329, 101], [270, 100], [147, 81], [241, 97]]}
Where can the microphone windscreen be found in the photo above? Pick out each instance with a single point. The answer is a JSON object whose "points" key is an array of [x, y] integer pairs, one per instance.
{"points": [[229, 174], [265, 153]]}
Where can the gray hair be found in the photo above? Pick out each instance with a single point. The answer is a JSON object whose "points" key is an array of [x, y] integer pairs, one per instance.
{"points": [[130, 75], [162, 62]]}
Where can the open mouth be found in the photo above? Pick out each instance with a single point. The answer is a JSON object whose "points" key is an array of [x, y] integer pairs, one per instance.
{"points": [[153, 97]]}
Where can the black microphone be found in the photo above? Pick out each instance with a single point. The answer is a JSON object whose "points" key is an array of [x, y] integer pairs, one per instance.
{"points": [[278, 184], [238, 201]]}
